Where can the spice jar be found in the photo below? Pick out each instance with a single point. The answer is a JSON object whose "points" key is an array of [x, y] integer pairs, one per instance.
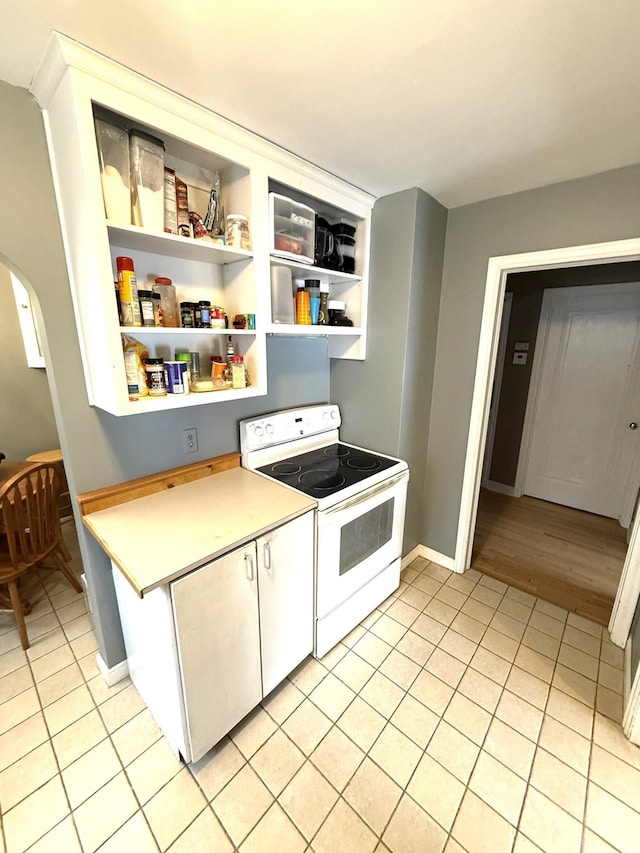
{"points": [[145, 298], [156, 380], [157, 308], [187, 318], [238, 377], [237, 232], [204, 307]]}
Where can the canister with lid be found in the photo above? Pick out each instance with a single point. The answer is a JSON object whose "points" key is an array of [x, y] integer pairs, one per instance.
{"points": [[238, 376], [187, 319], [155, 377], [237, 231], [168, 302], [204, 308], [147, 173], [145, 298]]}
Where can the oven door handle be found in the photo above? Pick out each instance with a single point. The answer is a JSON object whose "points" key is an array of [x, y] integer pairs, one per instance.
{"points": [[370, 493]]}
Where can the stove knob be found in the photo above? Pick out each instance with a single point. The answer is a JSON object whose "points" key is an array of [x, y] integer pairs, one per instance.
{"points": [[269, 429], [326, 415], [259, 431], [333, 414]]}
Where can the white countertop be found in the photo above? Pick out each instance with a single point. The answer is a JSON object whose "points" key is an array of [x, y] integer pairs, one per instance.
{"points": [[158, 538]]}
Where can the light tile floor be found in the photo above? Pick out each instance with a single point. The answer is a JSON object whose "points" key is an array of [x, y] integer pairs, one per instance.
{"points": [[462, 715]]}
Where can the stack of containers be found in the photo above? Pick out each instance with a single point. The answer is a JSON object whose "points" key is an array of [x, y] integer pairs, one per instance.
{"points": [[131, 172]]}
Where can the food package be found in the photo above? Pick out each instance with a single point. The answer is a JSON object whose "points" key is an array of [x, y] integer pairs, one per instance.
{"points": [[170, 202], [134, 353], [182, 202]]}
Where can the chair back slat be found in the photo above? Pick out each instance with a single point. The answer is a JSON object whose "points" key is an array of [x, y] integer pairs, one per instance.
{"points": [[28, 513]]}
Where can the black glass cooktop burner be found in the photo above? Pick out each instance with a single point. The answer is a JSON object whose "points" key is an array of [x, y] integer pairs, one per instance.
{"points": [[327, 470]]}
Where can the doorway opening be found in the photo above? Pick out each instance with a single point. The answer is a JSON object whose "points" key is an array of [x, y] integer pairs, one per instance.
{"points": [[558, 491], [498, 270]]}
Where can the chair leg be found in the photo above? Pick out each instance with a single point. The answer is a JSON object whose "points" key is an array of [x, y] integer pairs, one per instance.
{"points": [[66, 571], [63, 545], [17, 609]]}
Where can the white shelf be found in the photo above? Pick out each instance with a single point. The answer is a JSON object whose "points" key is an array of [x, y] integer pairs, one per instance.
{"points": [[179, 330], [171, 245], [300, 270], [313, 331], [180, 401]]}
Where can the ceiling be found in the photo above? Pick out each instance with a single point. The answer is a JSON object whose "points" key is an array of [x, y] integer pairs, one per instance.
{"points": [[467, 100]]}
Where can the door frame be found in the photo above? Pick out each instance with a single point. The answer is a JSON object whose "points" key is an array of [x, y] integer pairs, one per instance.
{"points": [[533, 396], [497, 270], [496, 389]]}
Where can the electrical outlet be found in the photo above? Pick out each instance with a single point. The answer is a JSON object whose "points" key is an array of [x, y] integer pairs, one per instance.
{"points": [[190, 440]]}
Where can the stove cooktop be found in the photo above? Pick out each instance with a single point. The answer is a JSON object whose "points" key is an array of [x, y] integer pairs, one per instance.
{"points": [[327, 470]]}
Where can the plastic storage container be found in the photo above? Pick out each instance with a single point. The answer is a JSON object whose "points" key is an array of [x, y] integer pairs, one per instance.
{"points": [[293, 229], [147, 181], [168, 302], [282, 295], [113, 152]]}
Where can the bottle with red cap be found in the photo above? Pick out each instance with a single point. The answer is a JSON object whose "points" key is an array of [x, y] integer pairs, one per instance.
{"points": [[128, 287]]}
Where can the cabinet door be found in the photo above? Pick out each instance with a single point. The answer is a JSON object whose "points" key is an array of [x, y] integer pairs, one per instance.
{"points": [[216, 623], [285, 577]]}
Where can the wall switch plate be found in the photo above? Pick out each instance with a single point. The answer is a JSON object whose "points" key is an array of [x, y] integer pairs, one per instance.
{"points": [[519, 358], [190, 440]]}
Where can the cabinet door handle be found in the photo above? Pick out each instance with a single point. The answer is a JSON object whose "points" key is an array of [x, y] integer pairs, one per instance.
{"points": [[248, 562], [267, 555]]}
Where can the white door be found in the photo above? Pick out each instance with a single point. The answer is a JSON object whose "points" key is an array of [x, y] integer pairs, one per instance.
{"points": [[583, 452], [216, 622], [285, 584]]}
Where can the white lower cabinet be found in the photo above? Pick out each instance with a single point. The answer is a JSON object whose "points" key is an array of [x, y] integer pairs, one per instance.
{"points": [[205, 649]]}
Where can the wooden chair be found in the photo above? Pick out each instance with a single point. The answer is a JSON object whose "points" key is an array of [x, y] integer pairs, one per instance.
{"points": [[29, 516]]}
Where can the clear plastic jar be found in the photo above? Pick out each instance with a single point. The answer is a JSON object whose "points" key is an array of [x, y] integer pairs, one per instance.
{"points": [[237, 233], [168, 302], [238, 376]]}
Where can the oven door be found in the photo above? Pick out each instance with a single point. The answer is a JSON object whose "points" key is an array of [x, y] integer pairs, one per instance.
{"points": [[358, 539]]}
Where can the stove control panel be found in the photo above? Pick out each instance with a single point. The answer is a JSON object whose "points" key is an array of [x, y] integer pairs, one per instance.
{"points": [[287, 425]]}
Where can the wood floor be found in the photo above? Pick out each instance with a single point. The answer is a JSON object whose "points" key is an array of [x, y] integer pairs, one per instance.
{"points": [[570, 558]]}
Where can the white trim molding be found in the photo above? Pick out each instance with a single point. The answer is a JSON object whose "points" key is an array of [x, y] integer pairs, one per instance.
{"points": [[631, 718], [431, 555], [497, 271], [112, 675], [501, 489]]}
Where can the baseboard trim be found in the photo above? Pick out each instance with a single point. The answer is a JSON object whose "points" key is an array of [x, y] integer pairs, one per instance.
{"points": [[627, 680], [501, 488], [114, 674], [428, 554]]}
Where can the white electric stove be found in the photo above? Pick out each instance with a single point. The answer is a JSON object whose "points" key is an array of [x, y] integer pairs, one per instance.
{"points": [[361, 498]]}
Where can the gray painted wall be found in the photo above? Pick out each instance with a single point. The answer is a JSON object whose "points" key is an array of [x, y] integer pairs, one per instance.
{"points": [[27, 422], [591, 210], [98, 448], [385, 400]]}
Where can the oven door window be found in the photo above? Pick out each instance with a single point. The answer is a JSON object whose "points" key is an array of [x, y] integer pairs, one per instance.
{"points": [[365, 535]]}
